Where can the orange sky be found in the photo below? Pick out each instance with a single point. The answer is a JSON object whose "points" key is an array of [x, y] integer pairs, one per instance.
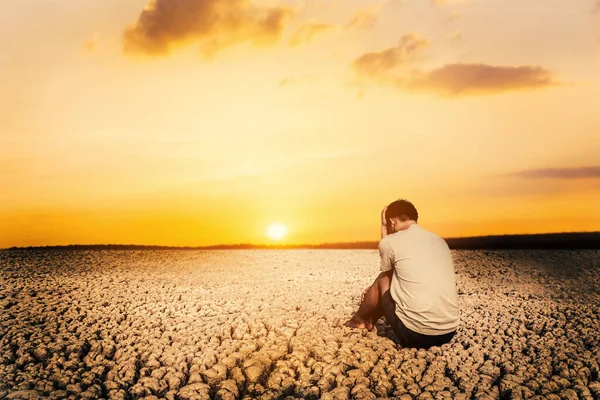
{"points": [[183, 122]]}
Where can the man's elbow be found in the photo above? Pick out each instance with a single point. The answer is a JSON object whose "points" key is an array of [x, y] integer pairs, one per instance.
{"points": [[383, 275]]}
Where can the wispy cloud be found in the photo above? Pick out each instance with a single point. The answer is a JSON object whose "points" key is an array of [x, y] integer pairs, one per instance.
{"points": [[456, 35], [395, 66], [363, 19], [462, 79], [378, 64], [439, 3], [210, 24], [92, 44], [560, 173], [308, 31], [89, 46], [295, 80], [543, 182], [453, 15]]}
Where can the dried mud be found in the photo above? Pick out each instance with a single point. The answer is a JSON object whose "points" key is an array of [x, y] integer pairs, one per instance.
{"points": [[262, 324]]}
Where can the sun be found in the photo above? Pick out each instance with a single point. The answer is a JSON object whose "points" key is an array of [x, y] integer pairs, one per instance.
{"points": [[276, 231]]}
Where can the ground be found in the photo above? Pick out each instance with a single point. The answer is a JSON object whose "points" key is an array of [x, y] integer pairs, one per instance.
{"points": [[262, 323]]}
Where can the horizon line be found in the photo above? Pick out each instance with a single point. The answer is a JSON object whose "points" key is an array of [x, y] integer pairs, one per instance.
{"points": [[295, 245]]}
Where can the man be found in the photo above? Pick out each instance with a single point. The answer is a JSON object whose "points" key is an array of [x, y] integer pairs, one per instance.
{"points": [[416, 290]]}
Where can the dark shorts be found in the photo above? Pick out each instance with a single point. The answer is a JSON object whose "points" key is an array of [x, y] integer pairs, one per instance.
{"points": [[407, 337]]}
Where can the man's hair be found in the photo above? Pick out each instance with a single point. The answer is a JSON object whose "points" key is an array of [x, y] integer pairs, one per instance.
{"points": [[403, 209]]}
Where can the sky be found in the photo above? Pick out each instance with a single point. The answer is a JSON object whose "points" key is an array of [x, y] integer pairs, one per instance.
{"points": [[200, 122]]}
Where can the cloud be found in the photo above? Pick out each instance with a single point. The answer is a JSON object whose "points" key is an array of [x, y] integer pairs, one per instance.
{"points": [[363, 19], [377, 65], [211, 24], [92, 44], [439, 3], [540, 182], [295, 80], [456, 35], [560, 173], [89, 46], [596, 8], [460, 79], [453, 15], [308, 31], [396, 67]]}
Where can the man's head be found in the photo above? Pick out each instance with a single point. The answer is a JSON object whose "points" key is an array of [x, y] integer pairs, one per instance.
{"points": [[400, 214]]}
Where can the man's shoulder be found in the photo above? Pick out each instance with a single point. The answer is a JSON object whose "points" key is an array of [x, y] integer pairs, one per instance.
{"points": [[386, 238], [419, 236], [431, 233], [385, 242]]}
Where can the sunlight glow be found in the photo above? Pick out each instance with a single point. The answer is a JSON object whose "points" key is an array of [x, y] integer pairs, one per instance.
{"points": [[276, 231]]}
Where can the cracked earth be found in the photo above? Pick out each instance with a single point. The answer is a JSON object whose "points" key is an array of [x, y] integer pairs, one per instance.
{"points": [[235, 324]]}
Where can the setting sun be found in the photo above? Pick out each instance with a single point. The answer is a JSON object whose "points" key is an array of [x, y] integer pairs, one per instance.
{"points": [[276, 231]]}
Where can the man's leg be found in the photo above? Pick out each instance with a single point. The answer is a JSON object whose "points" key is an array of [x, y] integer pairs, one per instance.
{"points": [[370, 309]]}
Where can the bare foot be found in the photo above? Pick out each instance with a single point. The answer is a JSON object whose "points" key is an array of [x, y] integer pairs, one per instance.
{"points": [[356, 323]]}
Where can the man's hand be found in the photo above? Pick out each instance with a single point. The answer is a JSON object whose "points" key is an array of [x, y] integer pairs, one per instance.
{"points": [[383, 221], [384, 227], [362, 297]]}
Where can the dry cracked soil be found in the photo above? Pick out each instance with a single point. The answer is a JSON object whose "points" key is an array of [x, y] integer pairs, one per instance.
{"points": [[232, 324]]}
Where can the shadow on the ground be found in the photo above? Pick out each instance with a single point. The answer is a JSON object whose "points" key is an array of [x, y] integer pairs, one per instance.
{"points": [[385, 330], [568, 268]]}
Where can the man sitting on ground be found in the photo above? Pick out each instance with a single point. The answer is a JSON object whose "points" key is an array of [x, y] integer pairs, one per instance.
{"points": [[416, 290]]}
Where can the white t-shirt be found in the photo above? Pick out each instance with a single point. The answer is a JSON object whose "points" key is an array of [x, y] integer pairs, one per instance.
{"points": [[423, 284]]}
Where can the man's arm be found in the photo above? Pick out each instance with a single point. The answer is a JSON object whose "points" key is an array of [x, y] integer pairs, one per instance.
{"points": [[386, 252], [384, 231]]}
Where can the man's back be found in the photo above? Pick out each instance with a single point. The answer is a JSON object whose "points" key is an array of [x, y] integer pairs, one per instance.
{"points": [[423, 285]]}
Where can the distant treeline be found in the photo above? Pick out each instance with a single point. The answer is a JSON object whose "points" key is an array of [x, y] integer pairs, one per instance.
{"points": [[567, 240]]}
